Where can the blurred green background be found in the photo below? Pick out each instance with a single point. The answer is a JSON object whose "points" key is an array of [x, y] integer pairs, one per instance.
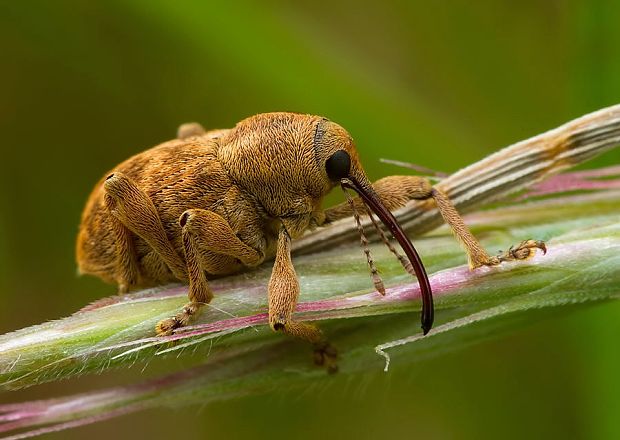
{"points": [[86, 84]]}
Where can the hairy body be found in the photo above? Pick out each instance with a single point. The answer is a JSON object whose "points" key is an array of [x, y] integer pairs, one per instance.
{"points": [[176, 175], [218, 202]]}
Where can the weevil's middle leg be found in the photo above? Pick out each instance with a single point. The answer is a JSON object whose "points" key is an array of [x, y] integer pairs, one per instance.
{"points": [[283, 294], [207, 240], [199, 292]]}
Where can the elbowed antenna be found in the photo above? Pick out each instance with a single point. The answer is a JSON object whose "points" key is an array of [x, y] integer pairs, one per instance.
{"points": [[374, 273], [374, 203]]}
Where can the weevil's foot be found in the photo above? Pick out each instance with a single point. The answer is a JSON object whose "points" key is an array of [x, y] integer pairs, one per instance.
{"points": [[167, 327], [526, 249], [326, 355]]}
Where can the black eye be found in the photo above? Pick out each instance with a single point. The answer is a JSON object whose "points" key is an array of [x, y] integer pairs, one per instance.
{"points": [[338, 165]]}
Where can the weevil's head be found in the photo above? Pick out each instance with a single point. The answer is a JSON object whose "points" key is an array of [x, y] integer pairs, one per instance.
{"points": [[289, 162]]}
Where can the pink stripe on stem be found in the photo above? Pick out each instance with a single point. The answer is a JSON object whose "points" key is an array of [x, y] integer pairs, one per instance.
{"points": [[442, 283], [576, 181]]}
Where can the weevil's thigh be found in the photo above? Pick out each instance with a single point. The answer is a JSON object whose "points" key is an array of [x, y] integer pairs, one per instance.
{"points": [[214, 240], [394, 192], [135, 210], [127, 269], [219, 264], [153, 269]]}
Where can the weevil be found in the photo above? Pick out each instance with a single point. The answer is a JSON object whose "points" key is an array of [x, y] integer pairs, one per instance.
{"points": [[212, 203]]}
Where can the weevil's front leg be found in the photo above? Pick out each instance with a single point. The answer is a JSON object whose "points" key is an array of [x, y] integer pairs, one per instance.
{"points": [[476, 254], [283, 294], [210, 245], [396, 191], [135, 210]]}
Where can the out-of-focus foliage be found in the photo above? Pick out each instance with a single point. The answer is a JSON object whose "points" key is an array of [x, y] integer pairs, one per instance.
{"points": [[86, 84]]}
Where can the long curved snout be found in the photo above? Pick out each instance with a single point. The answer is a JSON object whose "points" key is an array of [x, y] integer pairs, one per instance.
{"points": [[372, 200]]}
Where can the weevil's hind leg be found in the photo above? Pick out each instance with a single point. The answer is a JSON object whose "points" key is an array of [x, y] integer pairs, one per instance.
{"points": [[205, 232], [128, 274], [283, 294], [136, 211], [190, 129]]}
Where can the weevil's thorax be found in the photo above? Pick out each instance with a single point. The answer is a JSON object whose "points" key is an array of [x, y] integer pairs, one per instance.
{"points": [[279, 160]]}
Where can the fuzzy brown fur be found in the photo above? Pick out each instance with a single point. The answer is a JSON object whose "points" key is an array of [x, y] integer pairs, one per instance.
{"points": [[214, 203]]}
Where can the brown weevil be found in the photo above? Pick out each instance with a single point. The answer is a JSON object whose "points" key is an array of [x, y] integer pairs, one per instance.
{"points": [[212, 203]]}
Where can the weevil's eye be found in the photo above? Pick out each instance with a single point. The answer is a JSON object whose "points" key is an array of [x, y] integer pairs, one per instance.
{"points": [[338, 165]]}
